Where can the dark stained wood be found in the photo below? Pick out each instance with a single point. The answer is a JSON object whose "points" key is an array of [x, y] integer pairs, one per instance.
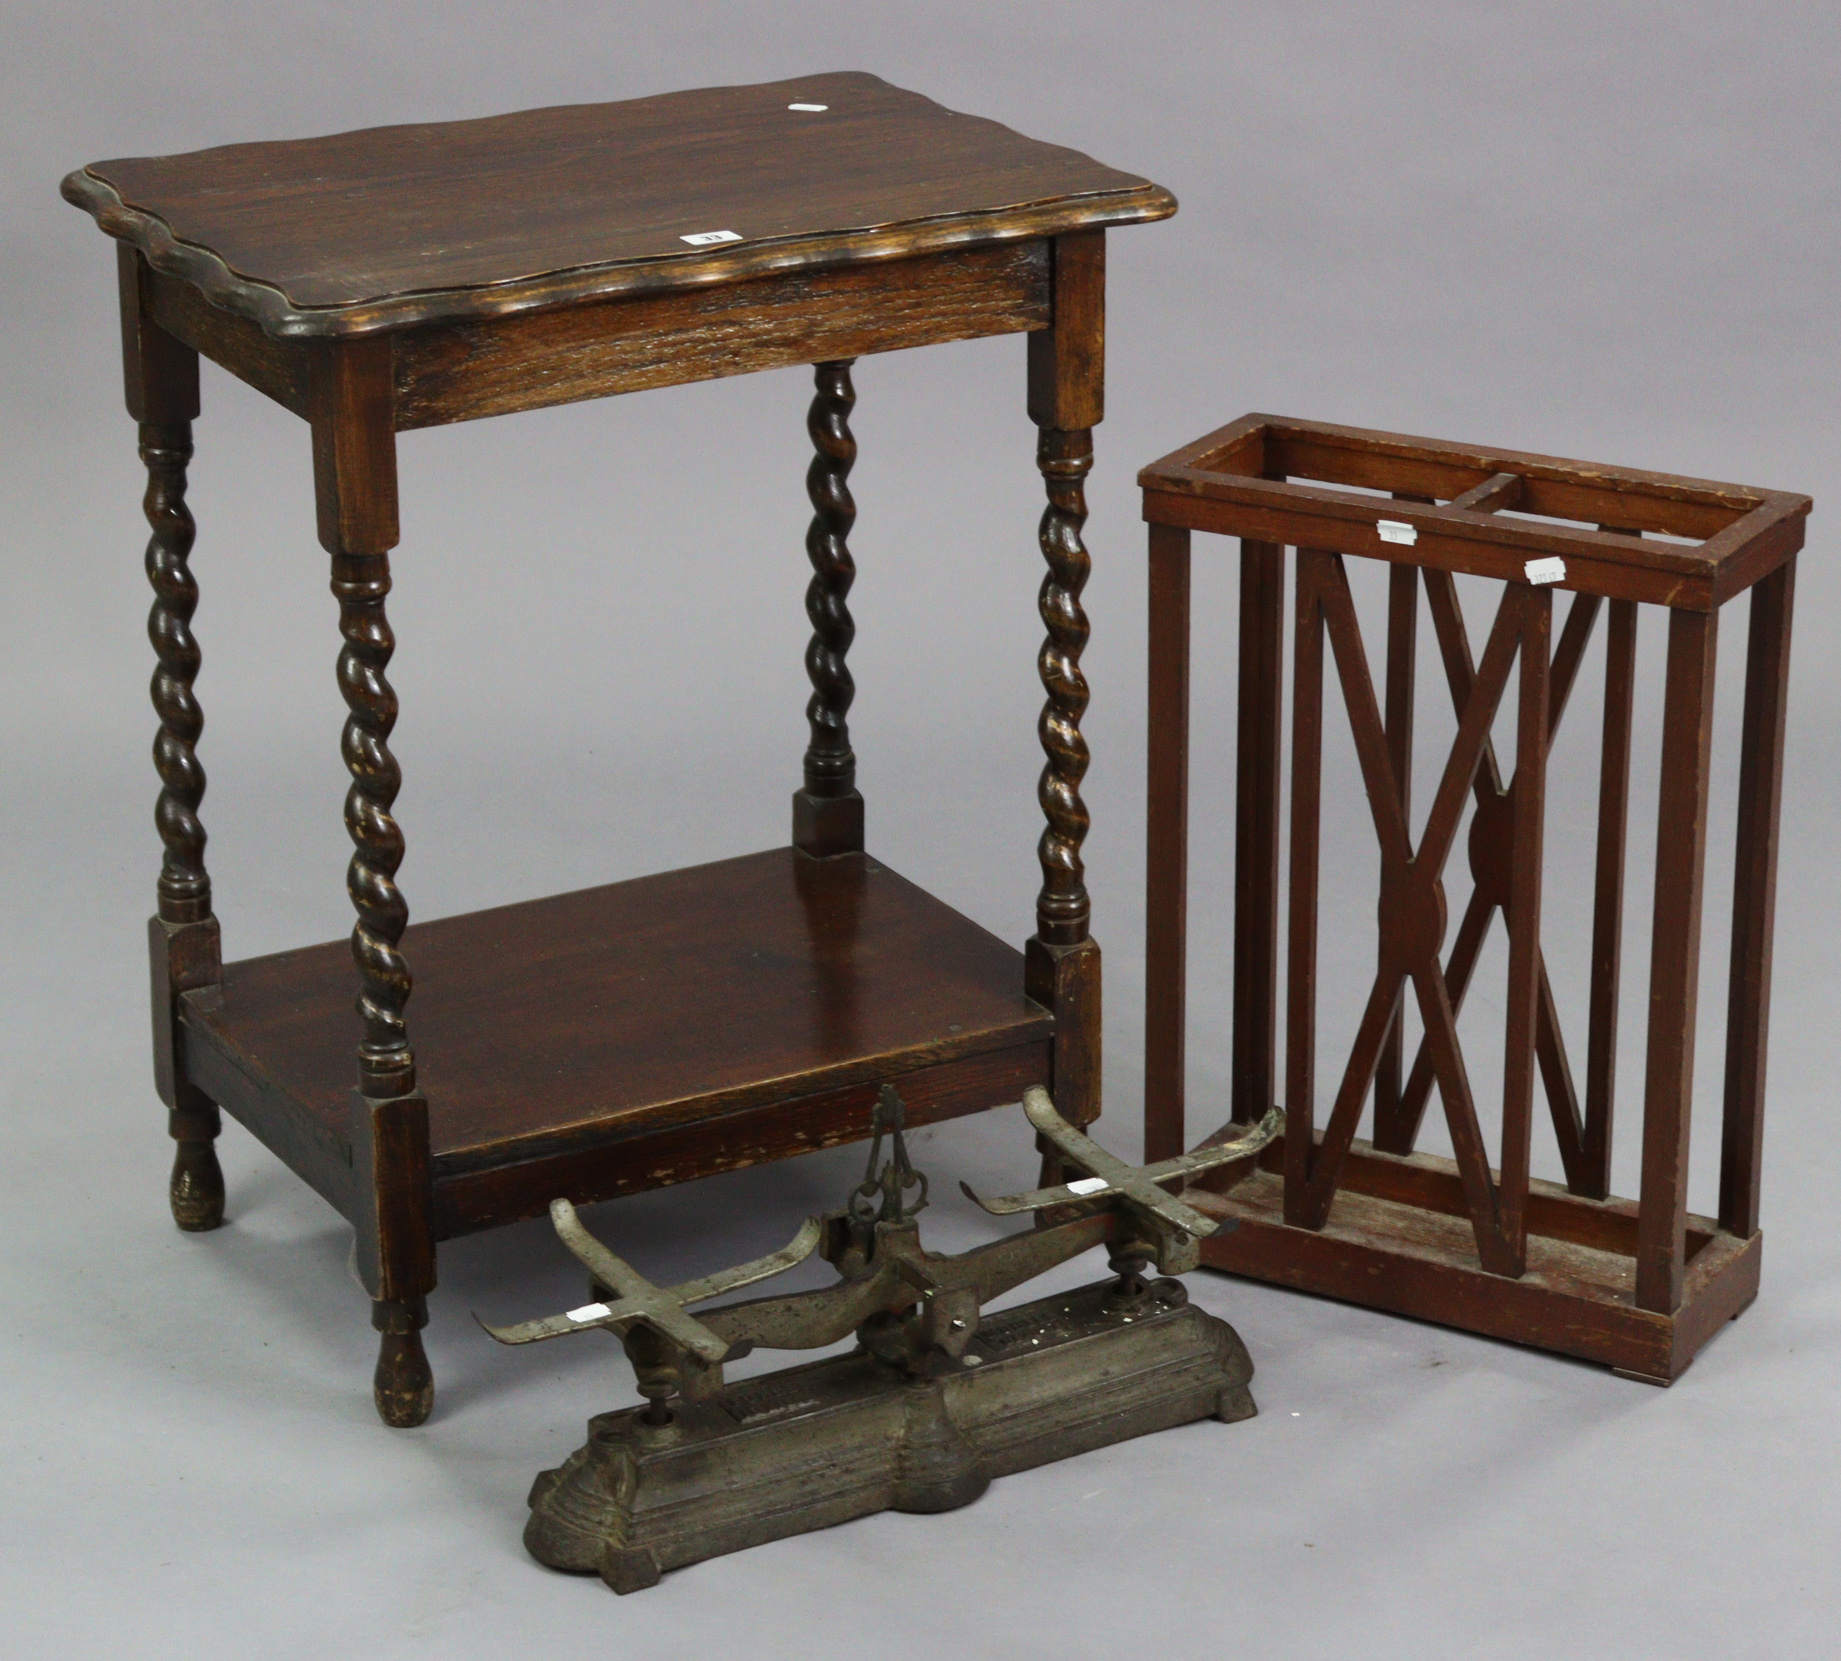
{"points": [[184, 888], [1067, 361], [1063, 906], [1066, 371], [315, 1149], [469, 1198], [182, 957], [495, 366], [1594, 1180], [654, 1003], [1557, 1081], [1402, 665], [1638, 1285], [159, 371], [1492, 866], [350, 404], [392, 1188], [1754, 902], [278, 368], [480, 367], [407, 277], [393, 225], [1347, 527], [1569, 654], [828, 808], [1370, 734], [1772, 535], [1500, 490], [1337, 609], [1442, 470], [1259, 745], [1166, 861], [1411, 913], [351, 407], [160, 384], [1674, 958], [1253, 490], [1398, 1131], [1432, 1183], [1301, 918], [1414, 1261], [390, 1177], [1549, 1043], [386, 1063], [1523, 916], [1066, 980]]}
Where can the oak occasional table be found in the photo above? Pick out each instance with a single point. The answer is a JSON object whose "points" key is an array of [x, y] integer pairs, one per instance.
{"points": [[600, 1043]]}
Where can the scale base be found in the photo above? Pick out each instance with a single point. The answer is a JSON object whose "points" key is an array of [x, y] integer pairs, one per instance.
{"points": [[811, 1446]]}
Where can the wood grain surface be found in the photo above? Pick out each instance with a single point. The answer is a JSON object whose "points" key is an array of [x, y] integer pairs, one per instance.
{"points": [[493, 366], [1275, 479], [1418, 1262], [391, 225], [1478, 1246], [643, 1005]]}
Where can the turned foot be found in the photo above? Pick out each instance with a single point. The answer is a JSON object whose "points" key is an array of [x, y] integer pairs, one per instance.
{"points": [[197, 1187], [403, 1386]]}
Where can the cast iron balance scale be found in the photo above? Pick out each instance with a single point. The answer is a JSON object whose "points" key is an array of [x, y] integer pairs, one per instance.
{"points": [[933, 1402]]}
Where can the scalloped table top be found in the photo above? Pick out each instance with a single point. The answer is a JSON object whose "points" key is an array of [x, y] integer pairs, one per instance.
{"points": [[392, 226]]}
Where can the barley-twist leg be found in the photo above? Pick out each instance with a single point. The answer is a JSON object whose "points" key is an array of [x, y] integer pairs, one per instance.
{"points": [[1063, 909], [195, 1189], [828, 811], [386, 1064]]}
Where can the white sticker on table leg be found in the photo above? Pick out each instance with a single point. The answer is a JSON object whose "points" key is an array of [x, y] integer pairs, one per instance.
{"points": [[1087, 1185], [704, 238], [1395, 530], [1545, 570], [589, 1312]]}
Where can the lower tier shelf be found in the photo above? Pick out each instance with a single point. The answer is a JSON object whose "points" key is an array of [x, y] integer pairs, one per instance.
{"points": [[1399, 1239], [638, 1034]]}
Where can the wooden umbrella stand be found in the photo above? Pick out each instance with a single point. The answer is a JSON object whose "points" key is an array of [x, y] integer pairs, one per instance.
{"points": [[1473, 1244]]}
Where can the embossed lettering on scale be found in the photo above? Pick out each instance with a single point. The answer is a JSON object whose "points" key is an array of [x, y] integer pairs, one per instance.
{"points": [[568, 1045]]}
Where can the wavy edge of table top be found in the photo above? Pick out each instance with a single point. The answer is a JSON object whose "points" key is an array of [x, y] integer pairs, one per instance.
{"points": [[269, 306]]}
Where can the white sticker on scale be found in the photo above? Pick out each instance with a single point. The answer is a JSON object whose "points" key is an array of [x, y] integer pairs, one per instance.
{"points": [[1394, 530], [1087, 1185], [1545, 570], [589, 1312], [704, 238]]}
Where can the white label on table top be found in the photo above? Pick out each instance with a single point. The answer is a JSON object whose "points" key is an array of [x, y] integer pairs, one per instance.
{"points": [[589, 1312], [1087, 1185], [704, 238], [1546, 570], [809, 109], [1395, 530]]}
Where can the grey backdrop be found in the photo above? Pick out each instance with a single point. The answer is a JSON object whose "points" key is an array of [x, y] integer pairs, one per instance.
{"points": [[1597, 230]]}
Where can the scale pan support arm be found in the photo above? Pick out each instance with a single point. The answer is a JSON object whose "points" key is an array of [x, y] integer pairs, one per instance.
{"points": [[640, 1303], [1111, 1180]]}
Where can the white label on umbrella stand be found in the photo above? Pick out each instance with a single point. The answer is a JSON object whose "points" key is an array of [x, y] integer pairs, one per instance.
{"points": [[1393, 530], [1546, 570], [704, 238], [588, 1312]]}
